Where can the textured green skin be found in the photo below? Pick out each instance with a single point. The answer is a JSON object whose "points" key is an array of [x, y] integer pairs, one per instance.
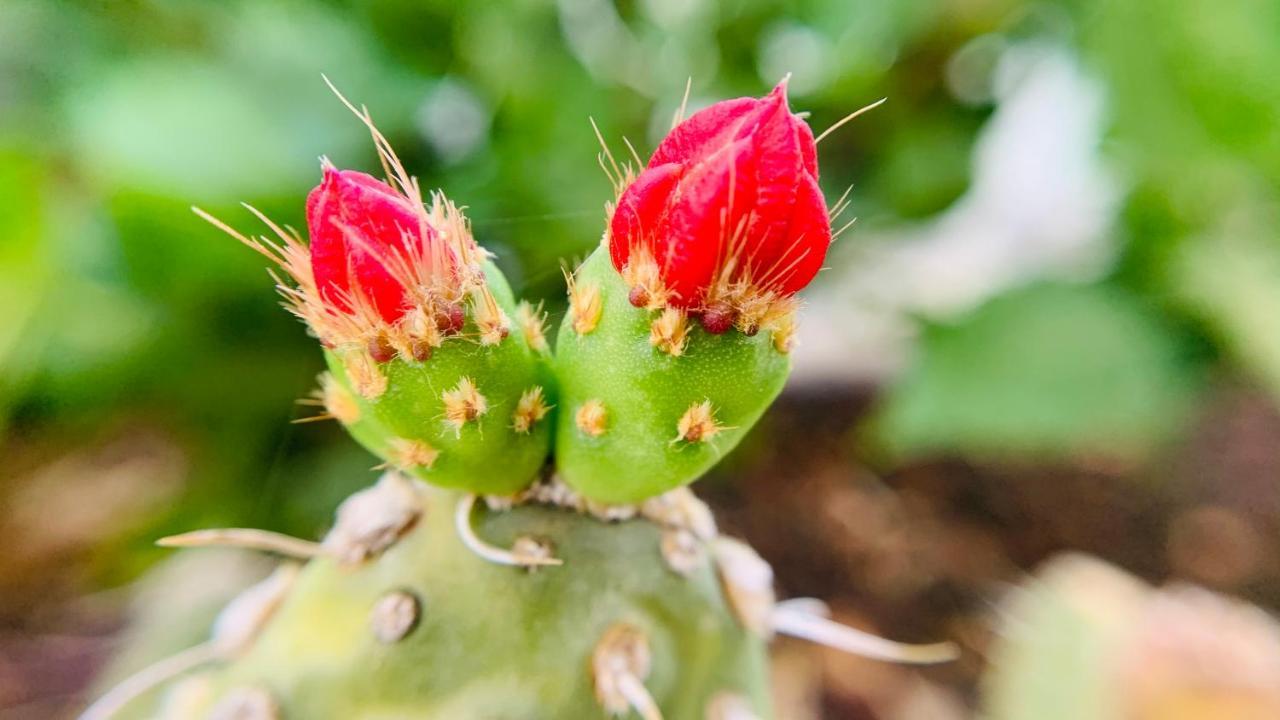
{"points": [[496, 642], [646, 391], [487, 456]]}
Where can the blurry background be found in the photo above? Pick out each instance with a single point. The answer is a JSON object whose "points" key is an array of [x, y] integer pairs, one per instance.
{"points": [[1055, 325]]}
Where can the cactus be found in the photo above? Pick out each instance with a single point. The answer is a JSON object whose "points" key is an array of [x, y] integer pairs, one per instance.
{"points": [[679, 325], [474, 579], [440, 632], [417, 326], [660, 419]]}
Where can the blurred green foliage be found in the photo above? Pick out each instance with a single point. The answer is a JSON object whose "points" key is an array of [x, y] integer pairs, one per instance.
{"points": [[1042, 372], [120, 306]]}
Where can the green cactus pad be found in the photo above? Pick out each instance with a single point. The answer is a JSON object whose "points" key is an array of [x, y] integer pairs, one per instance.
{"points": [[485, 454], [492, 641], [645, 391]]}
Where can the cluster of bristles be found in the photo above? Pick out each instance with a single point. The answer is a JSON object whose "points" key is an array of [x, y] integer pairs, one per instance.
{"points": [[731, 303], [463, 403], [697, 424]]}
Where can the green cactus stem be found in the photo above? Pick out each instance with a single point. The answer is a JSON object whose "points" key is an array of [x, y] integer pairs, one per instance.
{"points": [[422, 627], [648, 400], [452, 384], [471, 416], [409, 608]]}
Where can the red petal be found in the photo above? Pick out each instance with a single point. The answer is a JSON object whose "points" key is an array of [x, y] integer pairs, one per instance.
{"points": [[807, 241], [778, 166], [710, 127], [735, 182], [641, 211], [808, 148], [358, 225], [708, 209], [328, 246]]}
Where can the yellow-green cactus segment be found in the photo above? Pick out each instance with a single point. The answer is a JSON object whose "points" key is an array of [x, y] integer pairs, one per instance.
{"points": [[451, 420], [491, 641], [667, 417]]}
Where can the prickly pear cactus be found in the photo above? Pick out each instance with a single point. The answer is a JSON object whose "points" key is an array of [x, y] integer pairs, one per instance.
{"points": [[433, 365], [427, 628], [476, 579], [679, 326], [638, 420], [470, 416]]}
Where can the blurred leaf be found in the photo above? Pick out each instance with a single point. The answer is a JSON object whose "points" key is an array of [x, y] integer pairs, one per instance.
{"points": [[1051, 369], [24, 275], [1050, 658], [1232, 279], [247, 120]]}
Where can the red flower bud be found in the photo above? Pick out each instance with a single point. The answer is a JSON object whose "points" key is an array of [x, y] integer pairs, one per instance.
{"points": [[730, 199], [362, 230]]}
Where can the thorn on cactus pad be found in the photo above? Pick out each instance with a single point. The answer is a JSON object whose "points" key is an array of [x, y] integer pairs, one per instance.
{"points": [[394, 616], [747, 581], [797, 620], [186, 697], [421, 350], [246, 538], [249, 703], [518, 556], [373, 519], [234, 631], [366, 377], [730, 706], [242, 620], [463, 404], [531, 547], [117, 698], [669, 332], [408, 454], [644, 277], [585, 304], [698, 423], [337, 400], [619, 666], [680, 509], [532, 321], [491, 321], [531, 408], [784, 333], [682, 551], [592, 418]]}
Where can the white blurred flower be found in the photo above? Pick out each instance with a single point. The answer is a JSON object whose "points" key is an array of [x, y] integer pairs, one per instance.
{"points": [[1041, 205]]}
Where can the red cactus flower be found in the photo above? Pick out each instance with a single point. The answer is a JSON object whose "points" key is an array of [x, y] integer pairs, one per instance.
{"points": [[361, 231], [729, 201]]}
